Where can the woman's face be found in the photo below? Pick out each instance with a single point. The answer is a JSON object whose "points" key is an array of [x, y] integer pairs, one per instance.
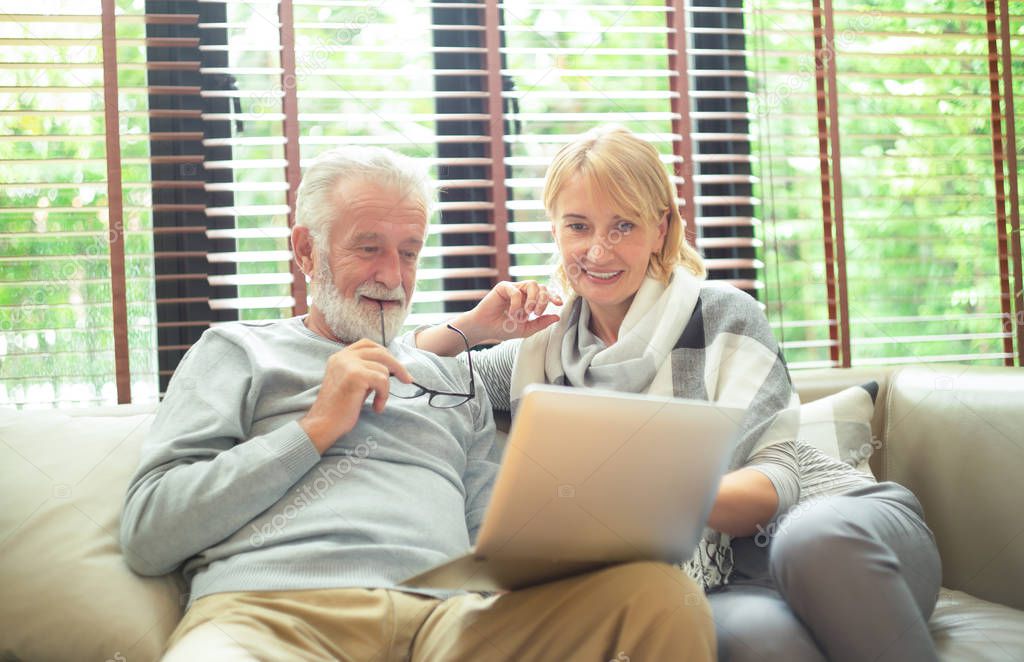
{"points": [[605, 254]]}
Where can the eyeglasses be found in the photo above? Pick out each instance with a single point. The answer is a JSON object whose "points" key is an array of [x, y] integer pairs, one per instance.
{"points": [[438, 399]]}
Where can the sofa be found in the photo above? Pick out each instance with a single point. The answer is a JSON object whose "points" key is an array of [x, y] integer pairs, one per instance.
{"points": [[953, 434]]}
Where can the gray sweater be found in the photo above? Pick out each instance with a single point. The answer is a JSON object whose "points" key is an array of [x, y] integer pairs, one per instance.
{"points": [[230, 485]]}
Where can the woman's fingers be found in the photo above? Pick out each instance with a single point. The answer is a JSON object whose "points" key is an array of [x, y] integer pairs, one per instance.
{"points": [[521, 300], [543, 298], [532, 290], [515, 296], [546, 297], [535, 297]]}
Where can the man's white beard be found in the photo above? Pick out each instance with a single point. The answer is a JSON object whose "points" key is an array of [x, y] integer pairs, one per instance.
{"points": [[348, 319]]}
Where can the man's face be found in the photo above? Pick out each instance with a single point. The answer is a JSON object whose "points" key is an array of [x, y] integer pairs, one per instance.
{"points": [[369, 264]]}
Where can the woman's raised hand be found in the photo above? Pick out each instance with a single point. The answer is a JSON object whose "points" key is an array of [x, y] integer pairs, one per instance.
{"points": [[511, 310]]}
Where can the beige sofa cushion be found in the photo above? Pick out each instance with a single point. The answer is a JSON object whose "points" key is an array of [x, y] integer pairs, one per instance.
{"points": [[812, 385], [68, 595], [966, 628], [839, 425]]}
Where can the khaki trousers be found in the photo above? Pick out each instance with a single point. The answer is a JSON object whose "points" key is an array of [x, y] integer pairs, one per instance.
{"points": [[625, 613]]}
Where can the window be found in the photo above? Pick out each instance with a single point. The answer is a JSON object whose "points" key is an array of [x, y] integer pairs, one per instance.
{"points": [[188, 130], [578, 65], [868, 196], [888, 179], [76, 281]]}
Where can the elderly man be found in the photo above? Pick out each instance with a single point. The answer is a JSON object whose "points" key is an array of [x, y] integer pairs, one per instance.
{"points": [[298, 473]]}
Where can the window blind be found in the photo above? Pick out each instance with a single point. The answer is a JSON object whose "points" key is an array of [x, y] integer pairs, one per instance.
{"points": [[184, 234], [315, 75], [582, 64], [77, 318], [883, 145], [872, 150], [499, 97]]}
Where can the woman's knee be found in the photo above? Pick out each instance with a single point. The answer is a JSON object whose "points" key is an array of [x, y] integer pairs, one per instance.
{"points": [[755, 623], [820, 538]]}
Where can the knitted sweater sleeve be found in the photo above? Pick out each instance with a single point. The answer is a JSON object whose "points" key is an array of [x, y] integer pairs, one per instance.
{"points": [[201, 477]]}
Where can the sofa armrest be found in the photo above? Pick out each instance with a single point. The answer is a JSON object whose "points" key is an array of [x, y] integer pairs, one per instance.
{"points": [[954, 435]]}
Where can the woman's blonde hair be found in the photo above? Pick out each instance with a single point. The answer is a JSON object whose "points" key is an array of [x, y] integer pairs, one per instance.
{"points": [[628, 169]]}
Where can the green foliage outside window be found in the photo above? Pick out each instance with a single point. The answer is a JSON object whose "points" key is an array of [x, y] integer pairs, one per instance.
{"points": [[916, 140]]}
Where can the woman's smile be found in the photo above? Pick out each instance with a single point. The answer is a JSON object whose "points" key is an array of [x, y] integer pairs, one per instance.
{"points": [[603, 276]]}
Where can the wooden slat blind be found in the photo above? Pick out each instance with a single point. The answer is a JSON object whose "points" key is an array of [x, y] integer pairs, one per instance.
{"points": [[882, 146], [115, 203], [872, 151], [77, 318], [567, 64]]}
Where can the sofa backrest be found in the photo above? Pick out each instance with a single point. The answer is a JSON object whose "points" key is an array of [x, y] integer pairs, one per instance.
{"points": [[954, 435]]}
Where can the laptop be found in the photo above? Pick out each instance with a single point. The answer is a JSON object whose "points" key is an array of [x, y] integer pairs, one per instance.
{"points": [[591, 478]]}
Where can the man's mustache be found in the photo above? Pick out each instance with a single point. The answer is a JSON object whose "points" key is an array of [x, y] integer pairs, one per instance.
{"points": [[382, 293]]}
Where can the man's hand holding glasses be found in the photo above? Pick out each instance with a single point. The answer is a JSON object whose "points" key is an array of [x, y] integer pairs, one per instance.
{"points": [[362, 368], [444, 399], [352, 374]]}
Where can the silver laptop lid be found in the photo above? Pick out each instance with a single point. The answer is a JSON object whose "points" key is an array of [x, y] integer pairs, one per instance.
{"points": [[618, 476]]}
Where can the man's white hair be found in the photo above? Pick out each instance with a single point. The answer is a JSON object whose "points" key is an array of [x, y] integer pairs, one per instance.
{"points": [[314, 208]]}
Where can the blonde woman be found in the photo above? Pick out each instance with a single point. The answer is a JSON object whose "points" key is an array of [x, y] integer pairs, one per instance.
{"points": [[853, 575]]}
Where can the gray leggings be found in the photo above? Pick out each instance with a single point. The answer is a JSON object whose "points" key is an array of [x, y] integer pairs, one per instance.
{"points": [[847, 577]]}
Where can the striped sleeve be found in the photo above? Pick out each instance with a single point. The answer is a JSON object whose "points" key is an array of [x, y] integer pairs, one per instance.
{"points": [[824, 475], [779, 464], [492, 367]]}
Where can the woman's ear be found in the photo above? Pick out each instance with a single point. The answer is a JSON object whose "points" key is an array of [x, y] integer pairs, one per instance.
{"points": [[554, 233], [302, 249], [662, 231]]}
